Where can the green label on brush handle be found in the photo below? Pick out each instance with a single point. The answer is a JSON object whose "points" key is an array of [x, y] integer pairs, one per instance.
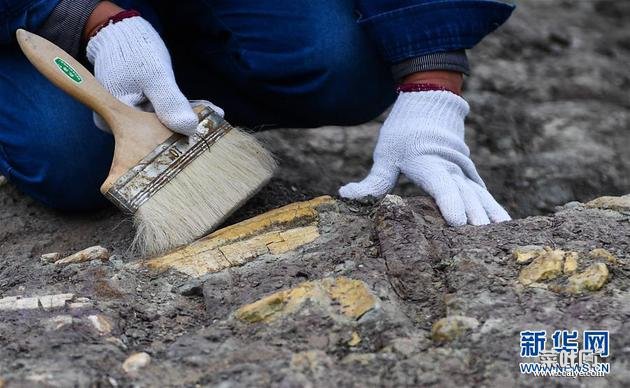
{"points": [[68, 70]]}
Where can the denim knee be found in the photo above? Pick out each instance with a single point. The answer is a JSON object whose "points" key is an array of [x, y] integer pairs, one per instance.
{"points": [[344, 82], [49, 146], [63, 164], [287, 63], [356, 87]]}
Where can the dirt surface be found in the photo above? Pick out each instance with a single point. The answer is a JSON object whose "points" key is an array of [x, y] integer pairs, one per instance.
{"points": [[549, 125]]}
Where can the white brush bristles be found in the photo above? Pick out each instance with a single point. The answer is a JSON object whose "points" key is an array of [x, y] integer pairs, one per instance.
{"points": [[204, 194]]}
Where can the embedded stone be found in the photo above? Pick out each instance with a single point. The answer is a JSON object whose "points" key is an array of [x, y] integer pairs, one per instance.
{"points": [[80, 303], [620, 204], [96, 252], [135, 362], [117, 342], [340, 296], [50, 257], [393, 200], [451, 327], [525, 254], [58, 322], [46, 302], [591, 279], [545, 266], [101, 323]]}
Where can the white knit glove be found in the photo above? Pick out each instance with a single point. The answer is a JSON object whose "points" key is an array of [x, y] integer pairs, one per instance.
{"points": [[423, 138], [131, 61]]}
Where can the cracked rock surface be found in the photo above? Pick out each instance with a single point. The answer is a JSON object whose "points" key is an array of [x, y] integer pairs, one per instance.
{"points": [[373, 293], [385, 294]]}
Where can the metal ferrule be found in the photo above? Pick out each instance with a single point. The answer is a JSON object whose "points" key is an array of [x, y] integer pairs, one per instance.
{"points": [[147, 177]]}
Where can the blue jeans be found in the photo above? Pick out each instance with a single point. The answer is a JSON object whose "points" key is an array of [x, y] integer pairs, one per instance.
{"points": [[295, 63]]}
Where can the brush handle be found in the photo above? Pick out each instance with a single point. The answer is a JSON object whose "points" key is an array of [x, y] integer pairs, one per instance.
{"points": [[136, 133], [69, 75]]}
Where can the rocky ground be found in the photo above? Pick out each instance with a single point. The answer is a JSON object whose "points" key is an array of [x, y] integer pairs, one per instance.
{"points": [[325, 292]]}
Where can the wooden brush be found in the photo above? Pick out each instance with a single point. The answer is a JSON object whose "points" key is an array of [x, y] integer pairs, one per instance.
{"points": [[178, 188]]}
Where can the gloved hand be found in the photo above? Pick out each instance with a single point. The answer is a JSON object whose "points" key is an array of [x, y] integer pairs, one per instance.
{"points": [[423, 138], [131, 61]]}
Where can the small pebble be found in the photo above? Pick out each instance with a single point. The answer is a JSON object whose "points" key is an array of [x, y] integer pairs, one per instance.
{"points": [[117, 342], [58, 322], [135, 362], [50, 257], [92, 253], [101, 323]]}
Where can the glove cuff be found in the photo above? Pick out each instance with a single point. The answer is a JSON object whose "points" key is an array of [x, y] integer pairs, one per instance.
{"points": [[116, 32], [422, 87], [120, 16], [441, 109]]}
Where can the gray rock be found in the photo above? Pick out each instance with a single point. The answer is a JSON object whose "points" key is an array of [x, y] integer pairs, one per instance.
{"points": [[548, 125]]}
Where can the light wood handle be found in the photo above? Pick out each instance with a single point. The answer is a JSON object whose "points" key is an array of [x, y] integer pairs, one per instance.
{"points": [[137, 133], [69, 75]]}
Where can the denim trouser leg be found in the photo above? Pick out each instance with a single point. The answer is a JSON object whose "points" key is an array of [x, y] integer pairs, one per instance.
{"points": [[285, 63], [49, 146], [296, 63]]}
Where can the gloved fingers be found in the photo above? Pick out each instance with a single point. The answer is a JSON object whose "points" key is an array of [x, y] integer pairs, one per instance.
{"points": [[438, 183], [475, 211], [216, 109], [146, 106], [466, 165], [495, 212], [172, 108], [135, 100], [380, 181], [471, 173]]}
